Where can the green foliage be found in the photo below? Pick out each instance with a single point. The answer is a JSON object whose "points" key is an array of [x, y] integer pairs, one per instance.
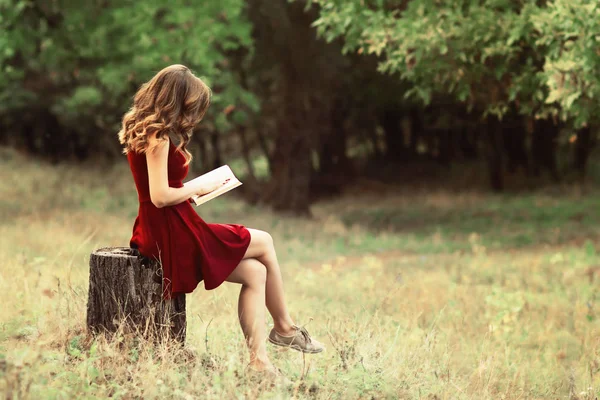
{"points": [[568, 32], [488, 54], [84, 63], [473, 51]]}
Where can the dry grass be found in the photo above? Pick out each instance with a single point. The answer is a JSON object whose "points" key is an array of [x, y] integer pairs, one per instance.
{"points": [[449, 311]]}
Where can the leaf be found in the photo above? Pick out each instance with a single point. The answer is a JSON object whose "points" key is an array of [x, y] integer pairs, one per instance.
{"points": [[553, 96], [568, 102]]}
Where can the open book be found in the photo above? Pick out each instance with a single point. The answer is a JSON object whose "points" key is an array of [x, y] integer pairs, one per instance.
{"points": [[222, 173]]}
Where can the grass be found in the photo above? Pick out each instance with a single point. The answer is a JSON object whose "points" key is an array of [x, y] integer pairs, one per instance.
{"points": [[426, 295]]}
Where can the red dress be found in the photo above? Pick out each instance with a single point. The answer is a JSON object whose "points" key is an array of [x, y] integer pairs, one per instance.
{"points": [[189, 249]]}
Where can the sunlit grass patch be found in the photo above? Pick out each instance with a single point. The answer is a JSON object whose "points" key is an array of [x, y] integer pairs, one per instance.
{"points": [[469, 296], [498, 221]]}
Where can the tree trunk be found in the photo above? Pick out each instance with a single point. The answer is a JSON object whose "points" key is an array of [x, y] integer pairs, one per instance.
{"points": [[583, 148], [416, 130], [468, 143], [394, 140], [494, 153], [252, 190], [445, 146], [369, 130], [544, 143], [264, 146], [334, 166], [241, 131], [292, 168], [296, 90], [203, 156], [126, 288], [515, 136], [216, 148]]}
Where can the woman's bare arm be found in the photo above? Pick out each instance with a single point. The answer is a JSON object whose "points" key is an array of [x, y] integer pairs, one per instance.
{"points": [[161, 194]]}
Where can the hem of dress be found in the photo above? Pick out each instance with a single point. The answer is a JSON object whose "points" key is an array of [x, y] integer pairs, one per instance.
{"points": [[236, 265]]}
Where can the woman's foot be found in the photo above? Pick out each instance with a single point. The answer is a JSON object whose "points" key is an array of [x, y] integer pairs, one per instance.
{"points": [[268, 373], [298, 339]]}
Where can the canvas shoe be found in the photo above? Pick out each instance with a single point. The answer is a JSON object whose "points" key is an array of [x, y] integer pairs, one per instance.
{"points": [[300, 341]]}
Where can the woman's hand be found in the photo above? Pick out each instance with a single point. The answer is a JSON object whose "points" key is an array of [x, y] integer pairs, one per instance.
{"points": [[211, 186]]}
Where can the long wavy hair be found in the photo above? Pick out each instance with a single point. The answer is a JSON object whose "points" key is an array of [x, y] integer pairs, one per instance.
{"points": [[172, 102]]}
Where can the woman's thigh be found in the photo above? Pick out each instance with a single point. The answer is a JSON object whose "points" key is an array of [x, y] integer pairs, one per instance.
{"points": [[261, 243], [250, 272]]}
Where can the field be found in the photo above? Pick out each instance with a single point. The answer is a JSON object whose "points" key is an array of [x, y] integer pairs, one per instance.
{"points": [[417, 295]]}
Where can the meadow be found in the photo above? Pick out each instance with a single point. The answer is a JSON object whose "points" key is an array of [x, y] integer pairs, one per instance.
{"points": [[421, 294]]}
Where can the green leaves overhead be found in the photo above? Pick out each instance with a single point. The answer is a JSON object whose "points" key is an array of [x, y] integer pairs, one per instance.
{"points": [[60, 50], [570, 34], [540, 57], [489, 54]]}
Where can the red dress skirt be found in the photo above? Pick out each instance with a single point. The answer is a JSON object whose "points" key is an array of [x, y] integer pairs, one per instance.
{"points": [[188, 249]]}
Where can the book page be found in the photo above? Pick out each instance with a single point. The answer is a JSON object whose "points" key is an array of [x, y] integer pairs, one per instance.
{"points": [[221, 173], [198, 200]]}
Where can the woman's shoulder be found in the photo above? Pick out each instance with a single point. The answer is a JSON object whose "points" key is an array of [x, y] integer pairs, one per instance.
{"points": [[158, 143], [154, 139]]}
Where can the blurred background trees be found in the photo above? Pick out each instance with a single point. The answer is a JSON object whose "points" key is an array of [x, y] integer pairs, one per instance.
{"points": [[312, 95]]}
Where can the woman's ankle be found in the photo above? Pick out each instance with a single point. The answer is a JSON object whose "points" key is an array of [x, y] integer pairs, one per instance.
{"points": [[284, 328], [260, 366], [260, 362]]}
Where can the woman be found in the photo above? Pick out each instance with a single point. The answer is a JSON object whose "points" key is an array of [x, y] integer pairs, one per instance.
{"points": [[167, 228]]}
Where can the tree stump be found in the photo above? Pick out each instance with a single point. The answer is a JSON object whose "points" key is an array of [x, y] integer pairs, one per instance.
{"points": [[126, 292]]}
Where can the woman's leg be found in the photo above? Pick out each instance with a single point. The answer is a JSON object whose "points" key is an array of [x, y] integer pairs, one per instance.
{"points": [[261, 248], [252, 275]]}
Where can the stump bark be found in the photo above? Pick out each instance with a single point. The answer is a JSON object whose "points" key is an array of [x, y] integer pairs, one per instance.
{"points": [[126, 293]]}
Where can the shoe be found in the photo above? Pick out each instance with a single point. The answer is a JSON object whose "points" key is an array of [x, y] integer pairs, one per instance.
{"points": [[300, 341]]}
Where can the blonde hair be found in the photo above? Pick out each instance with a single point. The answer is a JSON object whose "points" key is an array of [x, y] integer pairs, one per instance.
{"points": [[173, 101]]}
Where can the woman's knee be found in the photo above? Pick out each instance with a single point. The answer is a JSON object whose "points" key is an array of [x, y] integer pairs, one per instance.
{"points": [[267, 241], [264, 238], [256, 273], [249, 272], [261, 243]]}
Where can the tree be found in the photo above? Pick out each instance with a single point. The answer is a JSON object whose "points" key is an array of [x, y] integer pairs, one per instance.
{"points": [[81, 65], [296, 73], [496, 57], [568, 32], [476, 51]]}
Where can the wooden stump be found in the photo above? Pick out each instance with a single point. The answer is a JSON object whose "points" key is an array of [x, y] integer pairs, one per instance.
{"points": [[127, 288]]}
